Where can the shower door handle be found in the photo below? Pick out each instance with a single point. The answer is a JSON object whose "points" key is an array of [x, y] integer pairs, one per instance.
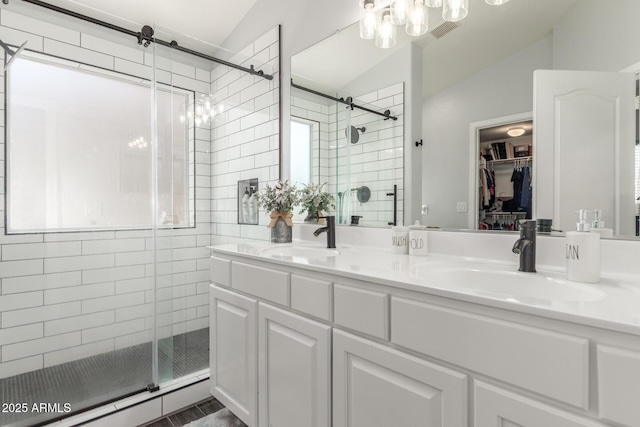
{"points": [[395, 205]]}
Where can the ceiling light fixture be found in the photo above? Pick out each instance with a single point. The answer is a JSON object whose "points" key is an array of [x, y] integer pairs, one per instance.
{"points": [[418, 18], [399, 11], [455, 10], [514, 132], [368, 20], [379, 24], [386, 35]]}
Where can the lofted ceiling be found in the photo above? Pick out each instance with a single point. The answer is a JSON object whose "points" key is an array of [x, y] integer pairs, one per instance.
{"points": [[487, 35], [210, 21]]}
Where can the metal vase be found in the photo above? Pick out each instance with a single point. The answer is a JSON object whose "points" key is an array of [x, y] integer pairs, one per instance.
{"points": [[313, 217], [281, 232]]}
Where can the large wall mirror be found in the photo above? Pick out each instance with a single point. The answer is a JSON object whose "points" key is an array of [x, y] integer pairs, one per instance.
{"points": [[482, 70], [349, 108]]}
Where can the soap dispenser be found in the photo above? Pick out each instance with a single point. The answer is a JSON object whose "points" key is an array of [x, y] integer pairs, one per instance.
{"points": [[244, 203], [582, 251], [597, 225], [252, 206]]}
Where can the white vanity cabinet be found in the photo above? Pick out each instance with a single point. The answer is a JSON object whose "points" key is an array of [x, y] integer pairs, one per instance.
{"points": [[292, 346], [269, 366]]}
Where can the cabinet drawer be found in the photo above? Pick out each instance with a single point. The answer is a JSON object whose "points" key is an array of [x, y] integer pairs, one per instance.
{"points": [[546, 362], [311, 296], [497, 407], [264, 283], [361, 310], [619, 385], [220, 271]]}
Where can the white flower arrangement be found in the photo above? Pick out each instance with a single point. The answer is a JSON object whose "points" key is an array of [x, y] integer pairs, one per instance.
{"points": [[282, 197], [314, 199]]}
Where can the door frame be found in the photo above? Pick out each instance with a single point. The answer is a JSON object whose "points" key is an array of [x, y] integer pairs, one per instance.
{"points": [[474, 144]]}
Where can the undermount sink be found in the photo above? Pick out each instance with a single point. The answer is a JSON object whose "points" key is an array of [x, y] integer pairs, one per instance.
{"points": [[511, 286], [290, 252]]}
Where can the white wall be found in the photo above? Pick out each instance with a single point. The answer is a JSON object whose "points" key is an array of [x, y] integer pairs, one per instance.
{"points": [[303, 23], [245, 138], [505, 88], [598, 36]]}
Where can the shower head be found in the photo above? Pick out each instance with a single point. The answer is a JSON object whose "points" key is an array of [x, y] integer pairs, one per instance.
{"points": [[353, 133]]}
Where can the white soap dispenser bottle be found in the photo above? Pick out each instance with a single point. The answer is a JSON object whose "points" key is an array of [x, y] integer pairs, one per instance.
{"points": [[597, 225], [582, 251], [252, 205], [245, 206]]}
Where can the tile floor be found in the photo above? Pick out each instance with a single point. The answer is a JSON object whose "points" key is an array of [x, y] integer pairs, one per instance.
{"points": [[188, 415], [96, 379]]}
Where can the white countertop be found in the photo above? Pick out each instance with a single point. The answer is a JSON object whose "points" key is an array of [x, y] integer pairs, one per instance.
{"points": [[613, 304]]}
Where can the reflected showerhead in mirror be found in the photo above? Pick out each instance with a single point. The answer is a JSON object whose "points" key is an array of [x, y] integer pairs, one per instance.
{"points": [[12, 53], [353, 133]]}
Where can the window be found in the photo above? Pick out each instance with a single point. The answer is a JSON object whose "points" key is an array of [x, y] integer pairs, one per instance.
{"points": [[301, 133], [79, 152]]}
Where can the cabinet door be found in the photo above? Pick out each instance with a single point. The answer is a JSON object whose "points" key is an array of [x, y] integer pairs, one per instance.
{"points": [[495, 407], [294, 370], [375, 386], [233, 364]]}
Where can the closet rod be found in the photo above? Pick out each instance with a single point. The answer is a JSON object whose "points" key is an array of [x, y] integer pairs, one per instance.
{"points": [[349, 102], [146, 36]]}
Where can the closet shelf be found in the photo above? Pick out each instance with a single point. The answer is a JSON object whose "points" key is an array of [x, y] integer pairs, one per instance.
{"points": [[515, 159], [505, 213]]}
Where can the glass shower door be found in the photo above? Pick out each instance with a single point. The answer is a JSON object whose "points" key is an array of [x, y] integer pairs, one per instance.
{"points": [[74, 297], [185, 109]]}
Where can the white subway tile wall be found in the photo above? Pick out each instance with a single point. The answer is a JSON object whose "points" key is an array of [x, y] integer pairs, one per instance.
{"points": [[375, 161], [245, 137], [65, 296]]}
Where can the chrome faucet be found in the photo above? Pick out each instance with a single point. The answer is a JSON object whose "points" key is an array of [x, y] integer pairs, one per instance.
{"points": [[525, 246], [330, 229]]}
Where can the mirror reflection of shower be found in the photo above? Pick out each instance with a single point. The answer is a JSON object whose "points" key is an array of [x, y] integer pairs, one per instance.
{"points": [[363, 194], [359, 143]]}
